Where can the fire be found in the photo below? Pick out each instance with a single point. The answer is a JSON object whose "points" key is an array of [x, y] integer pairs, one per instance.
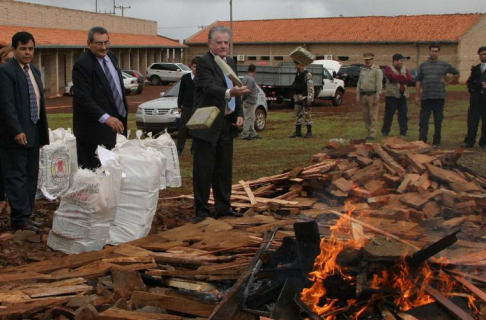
{"points": [[406, 284]]}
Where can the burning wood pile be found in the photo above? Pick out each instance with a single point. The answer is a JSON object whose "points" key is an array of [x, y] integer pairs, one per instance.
{"points": [[367, 231]]}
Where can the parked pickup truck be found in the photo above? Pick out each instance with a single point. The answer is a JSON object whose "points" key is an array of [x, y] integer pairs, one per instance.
{"points": [[276, 82]]}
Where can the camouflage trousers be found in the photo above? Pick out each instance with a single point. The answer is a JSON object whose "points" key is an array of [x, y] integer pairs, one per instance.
{"points": [[302, 113]]}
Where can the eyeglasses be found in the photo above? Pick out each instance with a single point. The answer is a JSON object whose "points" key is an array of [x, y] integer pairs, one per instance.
{"points": [[101, 44]]}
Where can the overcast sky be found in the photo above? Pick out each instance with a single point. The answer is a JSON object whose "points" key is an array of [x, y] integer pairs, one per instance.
{"points": [[179, 19]]}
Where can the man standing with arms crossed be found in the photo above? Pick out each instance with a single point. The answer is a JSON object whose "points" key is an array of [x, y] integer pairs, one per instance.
{"points": [[397, 79], [431, 81], [476, 85], [249, 105], [213, 147], [368, 93], [100, 107], [23, 130]]}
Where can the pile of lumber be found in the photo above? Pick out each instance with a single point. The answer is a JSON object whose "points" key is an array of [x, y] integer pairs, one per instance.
{"points": [[176, 274], [405, 196]]}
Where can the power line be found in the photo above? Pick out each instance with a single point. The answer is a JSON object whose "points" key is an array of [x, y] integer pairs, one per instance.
{"points": [[179, 27]]}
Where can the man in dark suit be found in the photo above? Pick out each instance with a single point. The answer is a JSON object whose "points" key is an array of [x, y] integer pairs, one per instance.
{"points": [[23, 129], [476, 85], [213, 147], [185, 101], [100, 106]]}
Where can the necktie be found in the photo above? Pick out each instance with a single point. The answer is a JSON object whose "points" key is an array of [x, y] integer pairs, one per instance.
{"points": [[118, 99], [229, 84], [34, 114]]}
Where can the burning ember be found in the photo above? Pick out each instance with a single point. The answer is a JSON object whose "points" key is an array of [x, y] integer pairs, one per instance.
{"points": [[344, 281]]}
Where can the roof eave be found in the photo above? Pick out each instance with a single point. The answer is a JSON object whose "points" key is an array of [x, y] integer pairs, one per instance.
{"points": [[337, 42], [52, 46]]}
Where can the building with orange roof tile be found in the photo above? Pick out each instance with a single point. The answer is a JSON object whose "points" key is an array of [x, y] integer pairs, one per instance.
{"points": [[346, 38], [61, 35]]}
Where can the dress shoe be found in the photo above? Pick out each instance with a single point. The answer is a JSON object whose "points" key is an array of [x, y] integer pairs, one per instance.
{"points": [[466, 145], [25, 226], [436, 146], [198, 219], [229, 213], [34, 223]]}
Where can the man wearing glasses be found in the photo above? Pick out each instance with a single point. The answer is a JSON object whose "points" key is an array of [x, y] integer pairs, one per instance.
{"points": [[100, 106]]}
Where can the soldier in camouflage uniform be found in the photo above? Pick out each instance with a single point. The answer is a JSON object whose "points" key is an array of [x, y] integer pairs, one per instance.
{"points": [[303, 88], [368, 93]]}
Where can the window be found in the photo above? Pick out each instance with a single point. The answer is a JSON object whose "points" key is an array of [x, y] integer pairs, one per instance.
{"points": [[343, 58], [251, 57], [171, 67], [279, 58], [327, 75], [319, 57], [266, 58]]}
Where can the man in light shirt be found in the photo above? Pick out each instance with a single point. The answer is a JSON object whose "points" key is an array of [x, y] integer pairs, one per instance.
{"points": [[23, 130]]}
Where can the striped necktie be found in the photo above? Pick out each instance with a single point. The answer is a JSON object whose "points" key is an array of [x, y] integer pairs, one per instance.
{"points": [[116, 94], [34, 113], [229, 84]]}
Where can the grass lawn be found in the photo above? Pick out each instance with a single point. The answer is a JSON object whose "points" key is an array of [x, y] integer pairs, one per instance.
{"points": [[276, 152]]}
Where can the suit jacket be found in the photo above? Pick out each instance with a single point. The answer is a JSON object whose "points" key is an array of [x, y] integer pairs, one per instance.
{"points": [[476, 79], [186, 91], [15, 107], [210, 89], [92, 98]]}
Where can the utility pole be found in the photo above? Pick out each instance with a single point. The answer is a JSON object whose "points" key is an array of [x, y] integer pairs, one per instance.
{"points": [[114, 7], [123, 9], [231, 28], [96, 6]]}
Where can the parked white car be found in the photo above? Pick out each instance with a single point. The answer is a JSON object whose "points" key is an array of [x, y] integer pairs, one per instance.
{"points": [[130, 83], [163, 113], [165, 72]]}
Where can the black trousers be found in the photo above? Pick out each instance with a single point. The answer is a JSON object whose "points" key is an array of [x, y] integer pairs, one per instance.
{"points": [[392, 105], [86, 154], [428, 107], [20, 168], [183, 129], [476, 112], [213, 167]]}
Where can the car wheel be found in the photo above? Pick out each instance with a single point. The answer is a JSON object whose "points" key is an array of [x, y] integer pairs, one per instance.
{"points": [[155, 80], [71, 91], [260, 119], [337, 100]]}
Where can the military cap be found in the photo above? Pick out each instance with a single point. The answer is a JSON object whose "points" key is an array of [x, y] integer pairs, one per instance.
{"points": [[368, 56]]}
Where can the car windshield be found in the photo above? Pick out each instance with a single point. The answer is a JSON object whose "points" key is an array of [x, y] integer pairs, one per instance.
{"points": [[183, 67], [173, 91]]}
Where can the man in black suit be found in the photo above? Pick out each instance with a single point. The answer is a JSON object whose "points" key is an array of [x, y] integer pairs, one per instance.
{"points": [[185, 102], [100, 106], [476, 85], [23, 129], [213, 147]]}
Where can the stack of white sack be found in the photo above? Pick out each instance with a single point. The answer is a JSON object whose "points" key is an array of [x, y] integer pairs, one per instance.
{"points": [[82, 221], [58, 163], [166, 145], [139, 191]]}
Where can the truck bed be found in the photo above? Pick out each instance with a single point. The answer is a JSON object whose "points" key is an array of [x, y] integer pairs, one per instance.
{"points": [[280, 76]]}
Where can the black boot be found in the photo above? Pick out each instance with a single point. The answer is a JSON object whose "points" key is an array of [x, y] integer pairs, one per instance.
{"points": [[298, 132], [309, 132]]}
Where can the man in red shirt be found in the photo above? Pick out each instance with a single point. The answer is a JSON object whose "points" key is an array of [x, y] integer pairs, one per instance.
{"points": [[397, 79]]}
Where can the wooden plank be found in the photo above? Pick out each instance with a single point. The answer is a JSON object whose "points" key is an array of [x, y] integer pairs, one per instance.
{"points": [[120, 314], [56, 291], [480, 293], [248, 191], [178, 304], [343, 184], [451, 307], [445, 175], [388, 159]]}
